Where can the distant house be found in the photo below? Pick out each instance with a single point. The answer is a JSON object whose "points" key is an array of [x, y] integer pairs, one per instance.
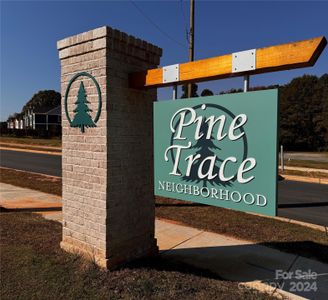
{"points": [[11, 123], [40, 119], [15, 122], [43, 118]]}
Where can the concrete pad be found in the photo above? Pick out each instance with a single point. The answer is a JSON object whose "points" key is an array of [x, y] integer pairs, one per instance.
{"points": [[224, 256], [170, 235], [238, 260], [54, 216], [9, 192]]}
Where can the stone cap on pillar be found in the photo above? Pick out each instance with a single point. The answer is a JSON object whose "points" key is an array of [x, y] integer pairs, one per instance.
{"points": [[112, 39]]}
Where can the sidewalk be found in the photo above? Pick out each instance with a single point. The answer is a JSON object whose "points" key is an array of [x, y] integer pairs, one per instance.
{"points": [[19, 199], [238, 260], [231, 259]]}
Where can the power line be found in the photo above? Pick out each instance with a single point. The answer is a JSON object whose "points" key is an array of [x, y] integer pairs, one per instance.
{"points": [[185, 22], [157, 27]]}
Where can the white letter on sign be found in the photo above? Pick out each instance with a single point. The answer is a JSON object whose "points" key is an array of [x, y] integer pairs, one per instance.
{"points": [[177, 157], [181, 121], [233, 127], [222, 167], [209, 174], [242, 170]]}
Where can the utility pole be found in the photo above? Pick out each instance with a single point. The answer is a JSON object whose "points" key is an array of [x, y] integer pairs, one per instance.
{"points": [[191, 38]]}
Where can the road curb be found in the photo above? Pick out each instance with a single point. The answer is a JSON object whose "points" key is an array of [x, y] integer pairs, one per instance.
{"points": [[31, 146], [267, 289], [305, 179], [31, 151]]}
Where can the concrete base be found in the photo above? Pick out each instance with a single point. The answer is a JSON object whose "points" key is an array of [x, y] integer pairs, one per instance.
{"points": [[76, 247]]}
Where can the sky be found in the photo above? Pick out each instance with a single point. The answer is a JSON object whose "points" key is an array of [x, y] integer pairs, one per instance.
{"points": [[30, 30]]}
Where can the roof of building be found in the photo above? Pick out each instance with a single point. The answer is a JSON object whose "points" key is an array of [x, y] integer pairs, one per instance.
{"points": [[48, 110]]}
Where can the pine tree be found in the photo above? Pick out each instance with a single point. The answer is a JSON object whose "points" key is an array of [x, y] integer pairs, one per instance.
{"points": [[194, 88], [204, 147], [82, 118]]}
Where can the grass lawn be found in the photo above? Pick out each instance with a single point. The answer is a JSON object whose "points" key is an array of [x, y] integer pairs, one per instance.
{"points": [[55, 142], [34, 267], [277, 234], [46, 184]]}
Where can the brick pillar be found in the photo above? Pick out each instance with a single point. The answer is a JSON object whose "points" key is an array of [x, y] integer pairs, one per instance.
{"points": [[108, 199]]}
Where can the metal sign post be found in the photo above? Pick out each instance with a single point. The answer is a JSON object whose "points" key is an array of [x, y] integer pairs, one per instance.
{"points": [[246, 83]]}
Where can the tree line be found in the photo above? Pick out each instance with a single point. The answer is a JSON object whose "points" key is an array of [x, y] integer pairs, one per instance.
{"points": [[45, 98], [303, 111]]}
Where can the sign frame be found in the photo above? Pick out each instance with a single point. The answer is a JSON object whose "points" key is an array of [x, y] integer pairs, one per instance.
{"points": [[269, 101]]}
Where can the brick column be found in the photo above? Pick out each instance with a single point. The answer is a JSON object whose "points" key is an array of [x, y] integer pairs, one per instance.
{"points": [[108, 199]]}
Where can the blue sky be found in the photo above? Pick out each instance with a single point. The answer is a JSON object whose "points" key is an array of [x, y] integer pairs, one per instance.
{"points": [[30, 30]]}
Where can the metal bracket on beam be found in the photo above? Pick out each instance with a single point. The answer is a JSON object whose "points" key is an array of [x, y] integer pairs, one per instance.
{"points": [[244, 61], [171, 73]]}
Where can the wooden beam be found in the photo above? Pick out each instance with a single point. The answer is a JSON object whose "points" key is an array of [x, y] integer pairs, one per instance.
{"points": [[275, 58]]}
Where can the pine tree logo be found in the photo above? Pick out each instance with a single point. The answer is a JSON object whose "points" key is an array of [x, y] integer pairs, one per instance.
{"points": [[204, 147], [82, 118], [208, 147]]}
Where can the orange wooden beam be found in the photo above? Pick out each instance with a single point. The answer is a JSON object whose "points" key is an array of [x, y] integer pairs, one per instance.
{"points": [[275, 58]]}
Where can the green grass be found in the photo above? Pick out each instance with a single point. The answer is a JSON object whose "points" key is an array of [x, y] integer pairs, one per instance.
{"points": [[42, 183], [55, 142], [34, 267]]}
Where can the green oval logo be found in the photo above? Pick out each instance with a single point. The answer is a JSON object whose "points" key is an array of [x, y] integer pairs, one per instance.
{"points": [[82, 118]]}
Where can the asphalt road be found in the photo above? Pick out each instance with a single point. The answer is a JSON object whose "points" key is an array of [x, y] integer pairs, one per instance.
{"points": [[33, 162], [301, 201]]}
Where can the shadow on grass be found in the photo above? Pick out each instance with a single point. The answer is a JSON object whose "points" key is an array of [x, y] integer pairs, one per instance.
{"points": [[310, 204], [239, 263], [162, 263], [243, 263], [161, 204], [29, 209]]}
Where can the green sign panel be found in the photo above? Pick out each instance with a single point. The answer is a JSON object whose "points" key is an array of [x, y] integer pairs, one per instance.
{"points": [[218, 150]]}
